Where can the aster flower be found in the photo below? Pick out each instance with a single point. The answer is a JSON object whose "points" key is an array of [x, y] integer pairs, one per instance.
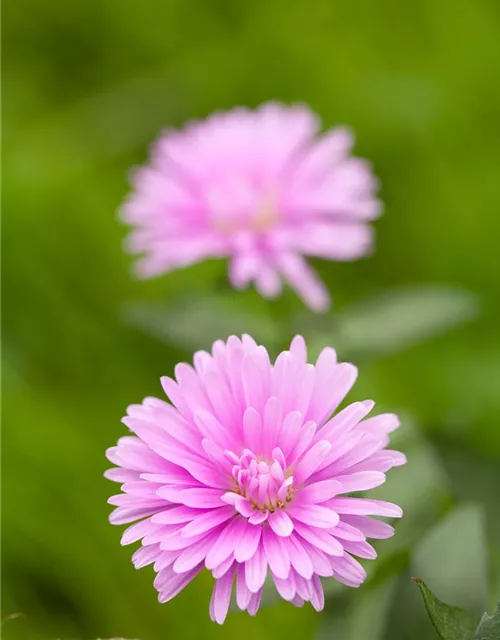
{"points": [[259, 187], [246, 472]]}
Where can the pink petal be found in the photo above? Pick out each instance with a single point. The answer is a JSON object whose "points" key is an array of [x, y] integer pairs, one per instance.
{"points": [[276, 554], [320, 539], [246, 545], [256, 570], [360, 481], [225, 543], [319, 491], [311, 461], [318, 595], [280, 523], [203, 498], [174, 583], [369, 527], [222, 568], [194, 554], [207, 520], [221, 597], [243, 593], [299, 558], [314, 515], [363, 507], [285, 588]]}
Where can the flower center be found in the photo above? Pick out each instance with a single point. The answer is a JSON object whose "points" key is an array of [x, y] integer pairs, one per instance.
{"points": [[266, 484], [257, 219]]}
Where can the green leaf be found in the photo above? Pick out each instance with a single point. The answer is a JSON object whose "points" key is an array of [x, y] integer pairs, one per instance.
{"points": [[452, 558], [489, 627], [396, 320], [196, 322], [451, 623]]}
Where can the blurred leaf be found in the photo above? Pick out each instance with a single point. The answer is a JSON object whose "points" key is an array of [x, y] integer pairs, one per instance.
{"points": [[452, 557], [489, 627], [399, 319], [421, 488], [197, 321], [451, 623]]}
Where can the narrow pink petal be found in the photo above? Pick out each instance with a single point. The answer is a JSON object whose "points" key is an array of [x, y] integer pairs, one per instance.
{"points": [[298, 348], [247, 543], [252, 429], [369, 527], [137, 531], [276, 553], [124, 515], [320, 539], [381, 424], [146, 555], [330, 391], [117, 474], [243, 593], [256, 570], [175, 583], [318, 595], [306, 435], [303, 279], [364, 507], [244, 507], [380, 461], [345, 531], [273, 418], [202, 498], [348, 568], [221, 597], [364, 449], [225, 543], [222, 568], [344, 421], [174, 540], [314, 515], [258, 517], [319, 492], [212, 429], [194, 554], [175, 515], [290, 432], [280, 523], [165, 559], [303, 587], [362, 549], [320, 561], [207, 520], [299, 558], [297, 601], [253, 605], [285, 588], [360, 481], [311, 461]]}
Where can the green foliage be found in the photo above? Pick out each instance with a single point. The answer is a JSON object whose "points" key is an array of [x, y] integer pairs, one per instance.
{"points": [[86, 86], [451, 623], [452, 558], [489, 627]]}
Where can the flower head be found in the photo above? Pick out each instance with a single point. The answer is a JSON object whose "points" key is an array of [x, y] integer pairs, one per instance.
{"points": [[246, 472], [259, 187]]}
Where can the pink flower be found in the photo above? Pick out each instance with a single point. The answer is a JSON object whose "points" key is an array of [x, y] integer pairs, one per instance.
{"points": [[259, 187], [245, 474]]}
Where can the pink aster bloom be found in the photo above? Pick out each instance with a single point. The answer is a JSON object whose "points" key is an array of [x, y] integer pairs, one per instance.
{"points": [[246, 472], [260, 187]]}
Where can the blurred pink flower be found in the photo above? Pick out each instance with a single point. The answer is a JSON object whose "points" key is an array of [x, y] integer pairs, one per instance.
{"points": [[244, 474], [259, 187]]}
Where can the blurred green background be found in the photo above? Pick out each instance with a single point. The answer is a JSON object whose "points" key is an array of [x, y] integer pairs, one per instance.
{"points": [[87, 85]]}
